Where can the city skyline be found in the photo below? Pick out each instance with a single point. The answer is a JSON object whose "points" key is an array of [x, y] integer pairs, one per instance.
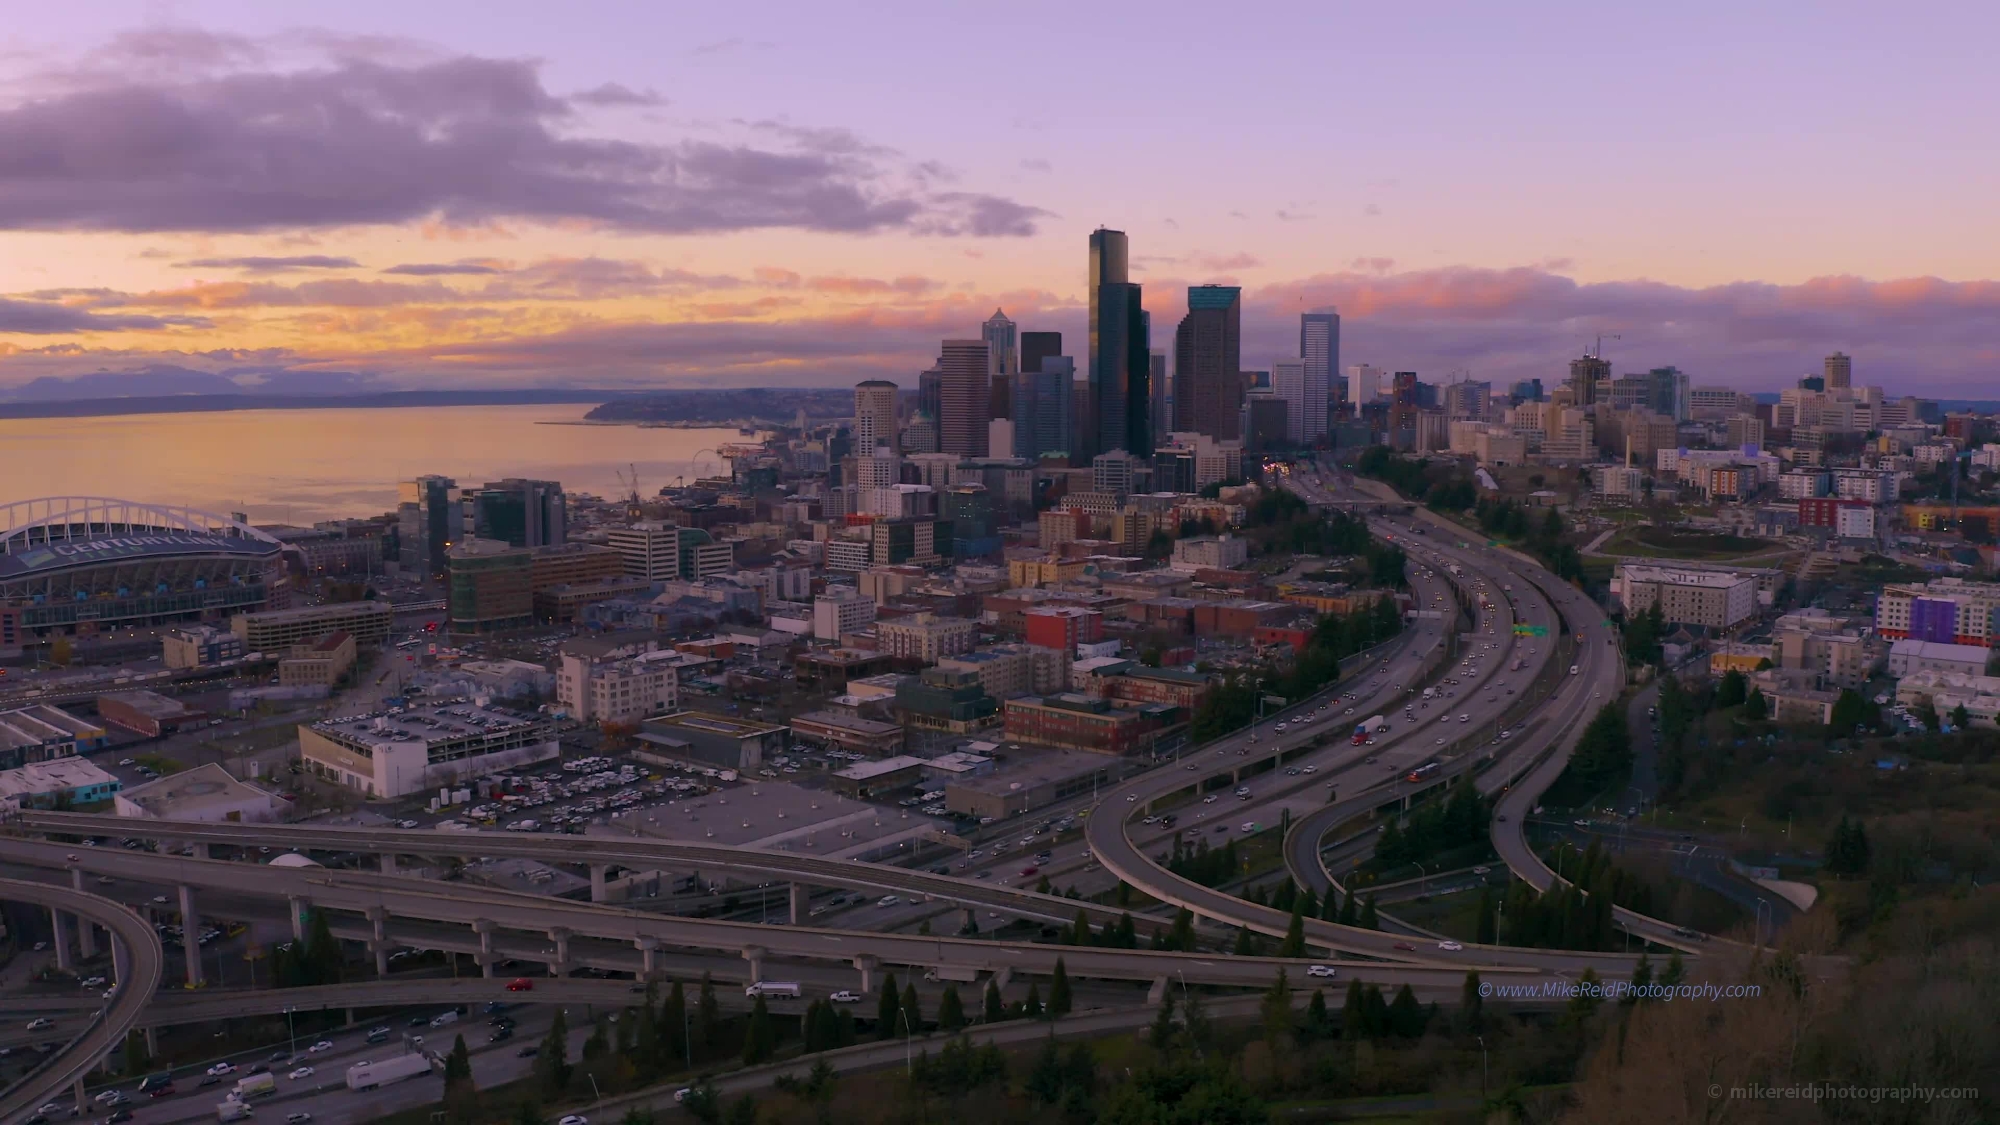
{"points": [[656, 223]]}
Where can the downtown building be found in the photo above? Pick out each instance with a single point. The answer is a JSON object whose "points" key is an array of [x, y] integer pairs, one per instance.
{"points": [[1208, 363], [1118, 401]]}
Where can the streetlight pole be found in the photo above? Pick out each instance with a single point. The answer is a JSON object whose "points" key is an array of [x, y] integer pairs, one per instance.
{"points": [[909, 1067]]}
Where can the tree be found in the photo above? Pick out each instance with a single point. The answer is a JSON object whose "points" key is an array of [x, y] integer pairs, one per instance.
{"points": [[744, 1112], [760, 1039], [1471, 1004], [1318, 1024], [1849, 711], [1756, 707], [1181, 937], [887, 1004], [1370, 920], [1348, 917], [701, 1102], [1406, 1016], [913, 1012], [460, 1094], [675, 1050], [1847, 851], [598, 1044], [1732, 690], [951, 1010], [1059, 992], [1294, 944], [1961, 719], [1488, 925], [707, 1016], [552, 1067], [1033, 1007], [1277, 1011], [1354, 1012], [995, 1008], [1194, 1016]]}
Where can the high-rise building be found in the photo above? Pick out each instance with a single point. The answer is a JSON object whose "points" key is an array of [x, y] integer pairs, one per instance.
{"points": [[875, 414], [1043, 400], [1467, 401], [1584, 372], [1288, 385], [1160, 390], [965, 394], [1003, 362], [1038, 346], [1119, 407], [1527, 390], [1404, 404], [521, 513], [1667, 393], [1319, 347], [1208, 362], [1839, 370], [1364, 384], [430, 520], [929, 399]]}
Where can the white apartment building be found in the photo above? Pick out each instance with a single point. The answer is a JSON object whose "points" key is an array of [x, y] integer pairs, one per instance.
{"points": [[1872, 485], [1618, 481], [1907, 656], [1804, 484], [650, 550], [841, 611], [1715, 599], [848, 554], [1854, 523], [621, 690], [411, 750], [926, 636], [1945, 610], [1220, 552], [897, 501]]}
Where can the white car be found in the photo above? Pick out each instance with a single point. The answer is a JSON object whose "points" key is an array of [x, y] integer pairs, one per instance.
{"points": [[104, 1096], [1309, 769], [322, 1045], [1450, 946], [844, 997], [574, 1119], [40, 1023], [300, 1072], [887, 900], [1320, 971], [220, 1069]]}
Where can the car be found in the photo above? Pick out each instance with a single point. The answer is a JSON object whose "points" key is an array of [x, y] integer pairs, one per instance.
{"points": [[520, 984], [1029, 870], [117, 1116], [1406, 947], [128, 762], [209, 1080], [1320, 971], [1502, 818], [1581, 823], [1309, 769], [1450, 946], [887, 900], [299, 1117], [41, 1023], [161, 900], [106, 1097], [300, 1072], [222, 1068], [528, 1052], [844, 997], [574, 1119]]}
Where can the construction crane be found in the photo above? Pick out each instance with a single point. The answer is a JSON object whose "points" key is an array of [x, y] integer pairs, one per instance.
{"points": [[1598, 351], [629, 481]]}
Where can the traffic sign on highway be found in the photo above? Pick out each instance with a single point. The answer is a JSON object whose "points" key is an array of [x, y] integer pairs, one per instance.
{"points": [[1531, 630]]}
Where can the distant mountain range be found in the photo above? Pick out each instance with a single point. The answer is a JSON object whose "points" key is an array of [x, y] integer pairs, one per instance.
{"points": [[748, 404]]}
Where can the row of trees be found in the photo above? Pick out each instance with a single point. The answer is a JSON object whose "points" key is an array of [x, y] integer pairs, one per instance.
{"points": [[1603, 757], [1434, 828], [1576, 913]]}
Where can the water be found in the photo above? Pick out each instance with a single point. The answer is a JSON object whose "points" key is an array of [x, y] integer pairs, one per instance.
{"points": [[299, 466]]}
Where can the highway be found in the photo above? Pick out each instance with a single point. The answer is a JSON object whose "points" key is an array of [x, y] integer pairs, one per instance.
{"points": [[140, 961]]}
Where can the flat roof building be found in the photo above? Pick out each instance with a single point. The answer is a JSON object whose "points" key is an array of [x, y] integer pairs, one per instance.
{"points": [[206, 793], [276, 630], [1085, 722], [867, 779], [322, 662], [1907, 656], [41, 785], [1716, 599], [41, 733], [1029, 783], [198, 646], [841, 731], [402, 751], [146, 713], [714, 740]]}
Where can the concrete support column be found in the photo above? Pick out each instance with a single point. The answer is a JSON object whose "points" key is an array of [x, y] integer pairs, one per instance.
{"points": [[388, 863], [378, 917], [801, 896], [297, 908], [190, 935], [649, 956], [1158, 992], [152, 1035], [86, 932], [83, 1105], [121, 960], [867, 965], [755, 955], [560, 966], [597, 872], [484, 928], [59, 922], [201, 851], [1001, 978], [965, 918]]}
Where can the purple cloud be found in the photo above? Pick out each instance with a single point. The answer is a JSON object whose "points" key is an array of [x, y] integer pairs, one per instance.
{"points": [[463, 268], [272, 265], [468, 140], [39, 318]]}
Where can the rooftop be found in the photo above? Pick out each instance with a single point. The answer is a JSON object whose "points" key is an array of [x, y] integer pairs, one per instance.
{"points": [[184, 795], [711, 724], [862, 771], [42, 724], [37, 778], [441, 722], [1024, 771], [149, 703], [847, 722], [1677, 576]]}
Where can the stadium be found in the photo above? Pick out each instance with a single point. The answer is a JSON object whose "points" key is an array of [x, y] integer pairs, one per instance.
{"points": [[87, 564]]}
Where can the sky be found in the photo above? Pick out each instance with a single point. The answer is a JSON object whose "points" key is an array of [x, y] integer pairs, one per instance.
{"points": [[505, 194]]}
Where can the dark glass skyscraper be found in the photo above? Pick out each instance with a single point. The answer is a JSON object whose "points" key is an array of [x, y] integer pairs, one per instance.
{"points": [[1208, 363], [1037, 346], [1117, 397]]}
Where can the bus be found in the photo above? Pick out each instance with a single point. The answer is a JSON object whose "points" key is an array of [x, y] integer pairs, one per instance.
{"points": [[1427, 770]]}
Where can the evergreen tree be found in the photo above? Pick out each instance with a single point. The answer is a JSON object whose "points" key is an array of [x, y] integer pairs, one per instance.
{"points": [[913, 1012], [1756, 707], [1194, 1016], [1318, 1024], [1308, 903], [1033, 1008], [1045, 1077], [1059, 994], [674, 1046], [459, 1091], [552, 1067], [1732, 690], [1369, 919], [707, 1017], [1161, 1034], [1294, 944], [1961, 719], [598, 1044], [1181, 937], [1642, 975], [951, 1010], [1277, 1011], [1127, 935], [1348, 916], [1489, 924], [1354, 1012], [995, 1009], [1079, 930], [887, 1004], [1329, 908], [646, 1045], [1850, 711], [760, 1039], [1406, 1016], [1471, 1005], [1246, 945]]}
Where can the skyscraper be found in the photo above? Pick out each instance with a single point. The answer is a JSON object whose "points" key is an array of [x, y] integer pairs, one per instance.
{"points": [[522, 513], [1043, 401], [1404, 404], [1161, 392], [1839, 371], [1319, 347], [1584, 372], [430, 520], [929, 401], [1038, 346], [965, 396], [874, 415], [1003, 361], [1118, 402], [1288, 385], [1208, 362]]}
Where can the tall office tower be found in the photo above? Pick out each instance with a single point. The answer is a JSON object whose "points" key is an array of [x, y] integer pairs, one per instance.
{"points": [[877, 466], [521, 513], [1003, 361], [929, 400], [1405, 400], [1043, 402], [1467, 401], [1839, 370], [965, 394], [1038, 346], [1667, 393], [1584, 372], [1119, 406], [1319, 347], [1527, 390], [1288, 385], [430, 521], [875, 414], [1208, 363], [1160, 390], [1364, 384]]}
